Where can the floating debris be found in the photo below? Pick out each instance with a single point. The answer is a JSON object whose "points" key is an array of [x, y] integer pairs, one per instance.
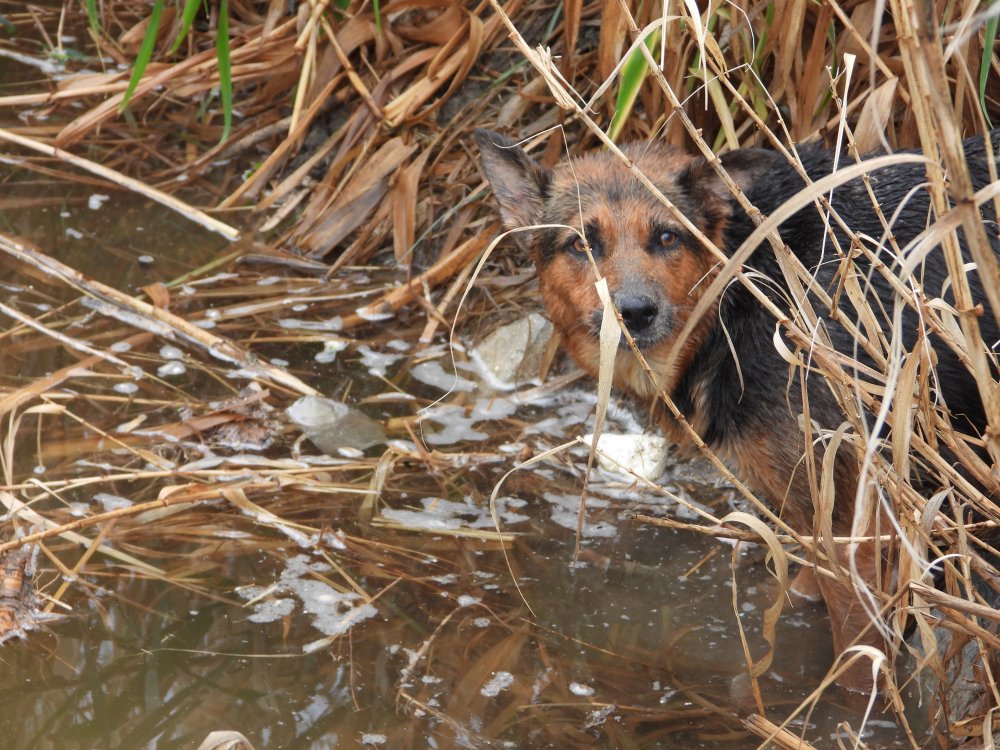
{"points": [[500, 682], [332, 425]]}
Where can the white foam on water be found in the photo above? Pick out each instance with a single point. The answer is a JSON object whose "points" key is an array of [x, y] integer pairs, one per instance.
{"points": [[377, 363], [433, 374], [497, 684], [457, 423]]}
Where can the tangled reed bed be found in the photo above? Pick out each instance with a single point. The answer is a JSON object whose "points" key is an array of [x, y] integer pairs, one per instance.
{"points": [[350, 147]]}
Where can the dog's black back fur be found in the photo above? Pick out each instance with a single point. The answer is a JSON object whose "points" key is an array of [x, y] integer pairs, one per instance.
{"points": [[737, 405]]}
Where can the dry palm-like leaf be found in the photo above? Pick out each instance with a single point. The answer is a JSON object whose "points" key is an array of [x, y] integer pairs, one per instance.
{"points": [[876, 117], [335, 213], [405, 194]]}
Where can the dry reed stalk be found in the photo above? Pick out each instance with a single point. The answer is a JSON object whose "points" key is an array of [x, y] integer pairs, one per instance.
{"points": [[771, 733], [161, 321], [357, 82], [199, 217]]}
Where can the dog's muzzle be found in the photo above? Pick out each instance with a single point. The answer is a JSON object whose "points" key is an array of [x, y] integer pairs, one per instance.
{"points": [[647, 319]]}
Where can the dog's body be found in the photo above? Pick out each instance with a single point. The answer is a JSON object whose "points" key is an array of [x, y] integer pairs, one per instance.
{"points": [[728, 380]]}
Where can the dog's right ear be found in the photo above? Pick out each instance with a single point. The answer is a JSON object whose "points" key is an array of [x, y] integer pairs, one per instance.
{"points": [[519, 183]]}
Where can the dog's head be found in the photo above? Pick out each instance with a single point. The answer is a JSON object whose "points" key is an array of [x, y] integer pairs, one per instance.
{"points": [[654, 267]]}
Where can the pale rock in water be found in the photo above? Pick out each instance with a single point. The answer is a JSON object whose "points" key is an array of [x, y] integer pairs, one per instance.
{"points": [[514, 352], [333, 425], [643, 455]]}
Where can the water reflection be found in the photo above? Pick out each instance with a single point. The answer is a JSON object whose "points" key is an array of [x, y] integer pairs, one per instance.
{"points": [[634, 644]]}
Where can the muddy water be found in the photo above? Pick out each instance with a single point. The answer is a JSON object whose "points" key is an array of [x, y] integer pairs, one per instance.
{"points": [[635, 644]]}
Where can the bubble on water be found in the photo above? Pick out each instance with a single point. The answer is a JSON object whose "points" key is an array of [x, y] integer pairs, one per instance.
{"points": [[95, 201], [457, 422], [440, 514], [169, 351], [578, 688], [566, 513], [171, 369], [269, 610], [332, 612]]}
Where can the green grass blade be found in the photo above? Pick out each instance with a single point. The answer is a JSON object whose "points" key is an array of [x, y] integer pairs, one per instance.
{"points": [[187, 18], [225, 68], [631, 76], [145, 51], [987, 62], [377, 8], [92, 19]]}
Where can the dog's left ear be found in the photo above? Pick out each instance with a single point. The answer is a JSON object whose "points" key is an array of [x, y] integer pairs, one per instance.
{"points": [[744, 165]]}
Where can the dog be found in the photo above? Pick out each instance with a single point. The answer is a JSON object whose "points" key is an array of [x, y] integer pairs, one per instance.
{"points": [[728, 380]]}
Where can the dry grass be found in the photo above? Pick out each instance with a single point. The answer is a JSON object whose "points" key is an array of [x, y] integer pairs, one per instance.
{"points": [[355, 134]]}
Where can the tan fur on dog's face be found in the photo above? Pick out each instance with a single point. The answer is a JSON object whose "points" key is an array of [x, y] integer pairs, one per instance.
{"points": [[649, 259]]}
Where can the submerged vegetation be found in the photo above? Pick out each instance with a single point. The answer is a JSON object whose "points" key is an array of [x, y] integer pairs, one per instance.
{"points": [[321, 227]]}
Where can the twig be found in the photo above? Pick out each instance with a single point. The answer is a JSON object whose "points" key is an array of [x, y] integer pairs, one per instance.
{"points": [[189, 212], [137, 313]]}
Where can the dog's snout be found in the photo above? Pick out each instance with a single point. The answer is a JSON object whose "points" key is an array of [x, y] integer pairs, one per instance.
{"points": [[638, 311]]}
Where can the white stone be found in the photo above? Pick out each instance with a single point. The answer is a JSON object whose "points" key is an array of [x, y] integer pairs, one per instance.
{"points": [[643, 455]]}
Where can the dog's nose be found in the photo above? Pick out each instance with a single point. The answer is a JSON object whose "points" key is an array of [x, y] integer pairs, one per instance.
{"points": [[638, 312]]}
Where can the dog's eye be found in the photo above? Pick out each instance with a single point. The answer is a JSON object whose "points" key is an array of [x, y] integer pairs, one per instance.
{"points": [[668, 239], [578, 244]]}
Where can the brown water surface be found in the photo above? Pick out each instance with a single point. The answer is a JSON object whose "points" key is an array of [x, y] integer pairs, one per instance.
{"points": [[414, 635], [635, 645]]}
